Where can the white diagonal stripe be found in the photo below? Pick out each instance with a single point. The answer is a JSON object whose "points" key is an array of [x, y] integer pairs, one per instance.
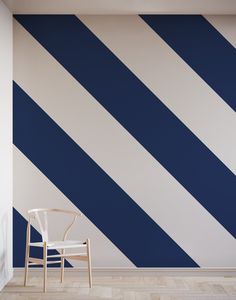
{"points": [[119, 154], [32, 189], [226, 25], [171, 80]]}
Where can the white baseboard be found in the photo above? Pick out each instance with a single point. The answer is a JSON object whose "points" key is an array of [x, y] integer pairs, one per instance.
{"points": [[6, 279], [220, 272]]}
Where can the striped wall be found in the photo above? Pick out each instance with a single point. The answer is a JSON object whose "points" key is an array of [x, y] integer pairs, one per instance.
{"points": [[131, 120]]}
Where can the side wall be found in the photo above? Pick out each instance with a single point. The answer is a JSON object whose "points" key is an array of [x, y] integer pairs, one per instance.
{"points": [[5, 144]]}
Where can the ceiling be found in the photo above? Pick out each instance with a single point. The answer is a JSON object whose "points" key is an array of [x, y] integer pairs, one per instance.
{"points": [[122, 6]]}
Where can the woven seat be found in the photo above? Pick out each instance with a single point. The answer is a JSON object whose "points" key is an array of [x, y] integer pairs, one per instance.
{"points": [[60, 244]]}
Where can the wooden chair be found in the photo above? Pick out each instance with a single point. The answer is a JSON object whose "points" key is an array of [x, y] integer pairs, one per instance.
{"points": [[41, 216]]}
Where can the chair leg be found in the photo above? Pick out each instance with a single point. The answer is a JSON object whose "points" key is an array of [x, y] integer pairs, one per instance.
{"points": [[44, 267], [89, 262], [26, 263], [62, 266]]}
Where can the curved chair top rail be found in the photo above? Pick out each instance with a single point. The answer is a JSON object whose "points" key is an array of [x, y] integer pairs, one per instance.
{"points": [[37, 210], [43, 224]]}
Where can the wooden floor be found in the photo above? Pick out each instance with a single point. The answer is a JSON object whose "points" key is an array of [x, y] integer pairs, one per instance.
{"points": [[128, 288]]}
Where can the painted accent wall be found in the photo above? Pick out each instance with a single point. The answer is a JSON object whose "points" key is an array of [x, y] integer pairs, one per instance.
{"points": [[5, 145], [131, 120]]}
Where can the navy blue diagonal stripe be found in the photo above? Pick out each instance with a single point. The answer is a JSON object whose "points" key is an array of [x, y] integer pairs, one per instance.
{"points": [[202, 47], [139, 111], [19, 240], [82, 181]]}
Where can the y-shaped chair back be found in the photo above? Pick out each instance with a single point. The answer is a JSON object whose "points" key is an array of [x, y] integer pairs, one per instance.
{"points": [[41, 215]]}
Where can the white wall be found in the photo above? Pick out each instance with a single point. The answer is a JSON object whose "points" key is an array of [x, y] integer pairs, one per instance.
{"points": [[122, 7], [5, 144]]}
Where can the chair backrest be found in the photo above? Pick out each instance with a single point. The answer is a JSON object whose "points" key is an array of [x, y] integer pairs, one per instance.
{"points": [[41, 216]]}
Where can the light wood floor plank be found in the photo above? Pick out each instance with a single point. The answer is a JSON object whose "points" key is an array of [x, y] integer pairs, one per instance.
{"points": [[118, 287]]}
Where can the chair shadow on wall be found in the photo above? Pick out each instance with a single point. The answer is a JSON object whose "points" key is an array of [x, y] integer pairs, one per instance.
{"points": [[40, 215]]}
